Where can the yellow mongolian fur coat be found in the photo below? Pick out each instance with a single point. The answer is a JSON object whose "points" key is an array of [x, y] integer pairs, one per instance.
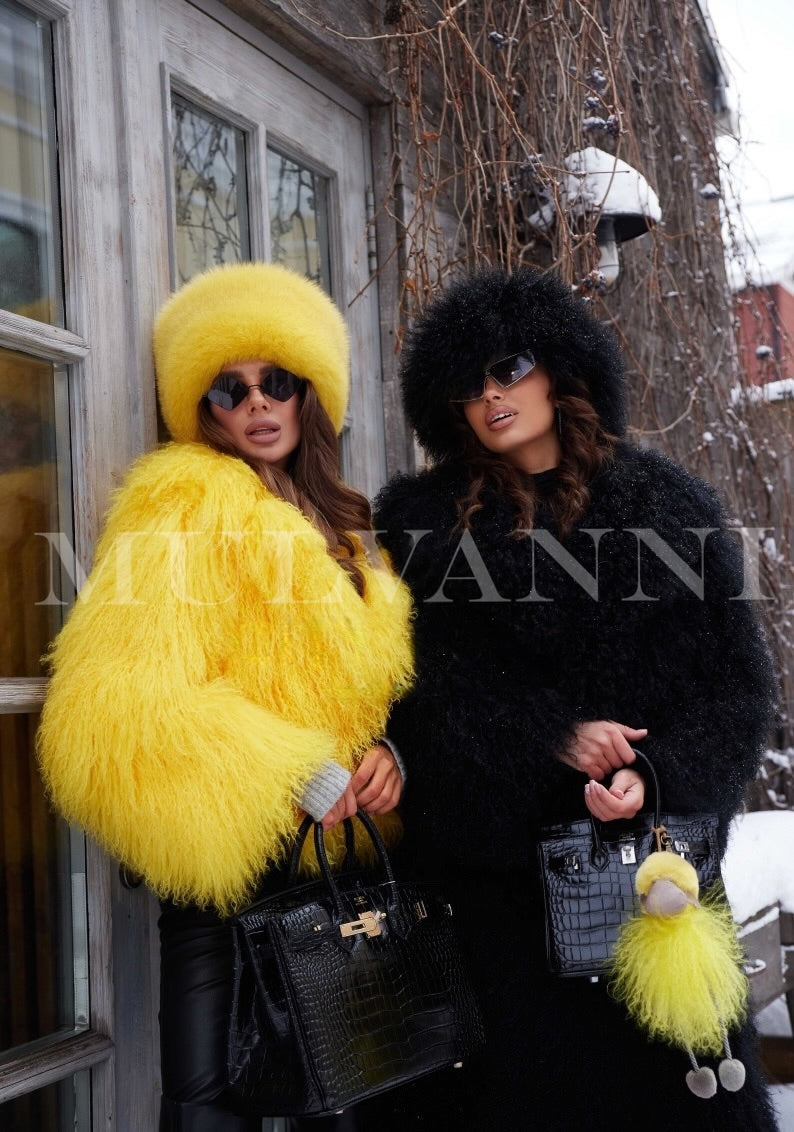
{"points": [[216, 658]]}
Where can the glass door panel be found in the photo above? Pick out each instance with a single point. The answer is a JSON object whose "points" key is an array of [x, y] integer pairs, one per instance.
{"points": [[34, 508], [299, 235], [42, 908], [30, 281], [210, 190]]}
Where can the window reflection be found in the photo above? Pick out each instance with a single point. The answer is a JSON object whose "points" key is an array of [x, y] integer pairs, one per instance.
{"points": [[29, 224], [29, 506], [65, 1104], [210, 191], [37, 974], [299, 218]]}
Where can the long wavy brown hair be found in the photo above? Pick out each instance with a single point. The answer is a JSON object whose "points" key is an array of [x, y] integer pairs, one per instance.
{"points": [[586, 450], [311, 482]]}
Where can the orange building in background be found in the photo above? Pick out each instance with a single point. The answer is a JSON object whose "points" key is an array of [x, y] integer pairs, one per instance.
{"points": [[765, 338]]}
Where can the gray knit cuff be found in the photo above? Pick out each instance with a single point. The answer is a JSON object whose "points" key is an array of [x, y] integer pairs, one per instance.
{"points": [[325, 787], [396, 754]]}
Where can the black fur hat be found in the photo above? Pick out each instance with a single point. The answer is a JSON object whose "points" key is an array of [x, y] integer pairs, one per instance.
{"points": [[493, 314]]}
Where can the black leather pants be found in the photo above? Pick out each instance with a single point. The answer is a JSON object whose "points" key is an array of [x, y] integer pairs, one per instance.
{"points": [[195, 997]]}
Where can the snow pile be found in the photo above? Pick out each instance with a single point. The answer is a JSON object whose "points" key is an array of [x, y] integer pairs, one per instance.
{"points": [[758, 868]]}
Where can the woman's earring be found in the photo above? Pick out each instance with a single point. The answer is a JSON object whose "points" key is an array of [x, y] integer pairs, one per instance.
{"points": [[558, 415]]}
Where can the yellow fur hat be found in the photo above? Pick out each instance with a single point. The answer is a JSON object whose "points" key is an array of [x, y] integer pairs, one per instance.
{"points": [[239, 312]]}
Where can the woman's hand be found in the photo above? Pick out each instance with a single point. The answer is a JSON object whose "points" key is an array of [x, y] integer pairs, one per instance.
{"points": [[377, 783], [344, 807], [623, 799], [601, 746], [375, 787]]}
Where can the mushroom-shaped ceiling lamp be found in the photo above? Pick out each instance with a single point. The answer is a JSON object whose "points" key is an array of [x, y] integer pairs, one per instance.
{"points": [[600, 184]]}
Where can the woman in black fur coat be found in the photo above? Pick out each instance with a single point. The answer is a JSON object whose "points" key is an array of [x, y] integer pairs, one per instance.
{"points": [[623, 618]]}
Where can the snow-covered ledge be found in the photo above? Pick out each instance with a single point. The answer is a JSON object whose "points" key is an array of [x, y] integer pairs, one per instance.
{"points": [[781, 390]]}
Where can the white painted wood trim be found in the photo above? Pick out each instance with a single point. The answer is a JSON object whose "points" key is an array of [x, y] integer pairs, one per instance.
{"points": [[50, 9], [141, 197], [371, 383], [280, 55], [175, 81], [104, 1117], [40, 339], [39, 1067], [258, 226]]}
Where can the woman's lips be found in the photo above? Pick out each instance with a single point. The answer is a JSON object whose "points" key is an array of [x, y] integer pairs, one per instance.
{"points": [[500, 420], [263, 432]]}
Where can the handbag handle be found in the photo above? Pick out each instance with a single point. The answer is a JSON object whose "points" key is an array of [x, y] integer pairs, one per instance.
{"points": [[600, 856], [322, 855], [383, 857], [300, 837], [648, 767]]}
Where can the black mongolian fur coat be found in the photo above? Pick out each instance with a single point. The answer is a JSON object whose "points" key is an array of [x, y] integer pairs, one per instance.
{"points": [[642, 615]]}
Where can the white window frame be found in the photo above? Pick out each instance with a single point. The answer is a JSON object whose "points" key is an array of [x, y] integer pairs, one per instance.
{"points": [[87, 158]]}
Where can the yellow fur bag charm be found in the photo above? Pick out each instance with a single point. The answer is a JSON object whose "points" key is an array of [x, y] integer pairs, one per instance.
{"points": [[677, 968]]}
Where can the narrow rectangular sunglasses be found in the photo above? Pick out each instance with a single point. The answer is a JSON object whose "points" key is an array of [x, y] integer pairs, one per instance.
{"points": [[505, 372], [228, 392]]}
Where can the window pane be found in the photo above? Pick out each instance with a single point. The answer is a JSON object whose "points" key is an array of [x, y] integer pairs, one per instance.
{"points": [[43, 987], [65, 1105], [29, 224], [32, 504], [210, 191], [299, 218]]}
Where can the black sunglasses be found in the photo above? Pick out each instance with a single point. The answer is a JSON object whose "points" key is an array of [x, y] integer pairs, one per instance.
{"points": [[227, 391], [505, 372]]}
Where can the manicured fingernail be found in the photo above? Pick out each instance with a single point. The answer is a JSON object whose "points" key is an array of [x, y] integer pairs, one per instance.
{"points": [[587, 788]]}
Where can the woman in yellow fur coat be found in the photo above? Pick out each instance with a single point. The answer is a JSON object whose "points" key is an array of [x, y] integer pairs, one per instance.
{"points": [[233, 656]]}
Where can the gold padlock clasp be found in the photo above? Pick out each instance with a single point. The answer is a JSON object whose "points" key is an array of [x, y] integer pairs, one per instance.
{"points": [[367, 924]]}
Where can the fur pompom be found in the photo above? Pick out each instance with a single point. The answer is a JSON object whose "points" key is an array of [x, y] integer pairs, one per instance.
{"points": [[702, 1082], [732, 1074]]}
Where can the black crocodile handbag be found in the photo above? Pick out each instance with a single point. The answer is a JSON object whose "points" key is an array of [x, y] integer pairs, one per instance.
{"points": [[588, 869], [345, 987]]}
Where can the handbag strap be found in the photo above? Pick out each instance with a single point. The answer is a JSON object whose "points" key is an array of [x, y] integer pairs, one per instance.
{"points": [[599, 854]]}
